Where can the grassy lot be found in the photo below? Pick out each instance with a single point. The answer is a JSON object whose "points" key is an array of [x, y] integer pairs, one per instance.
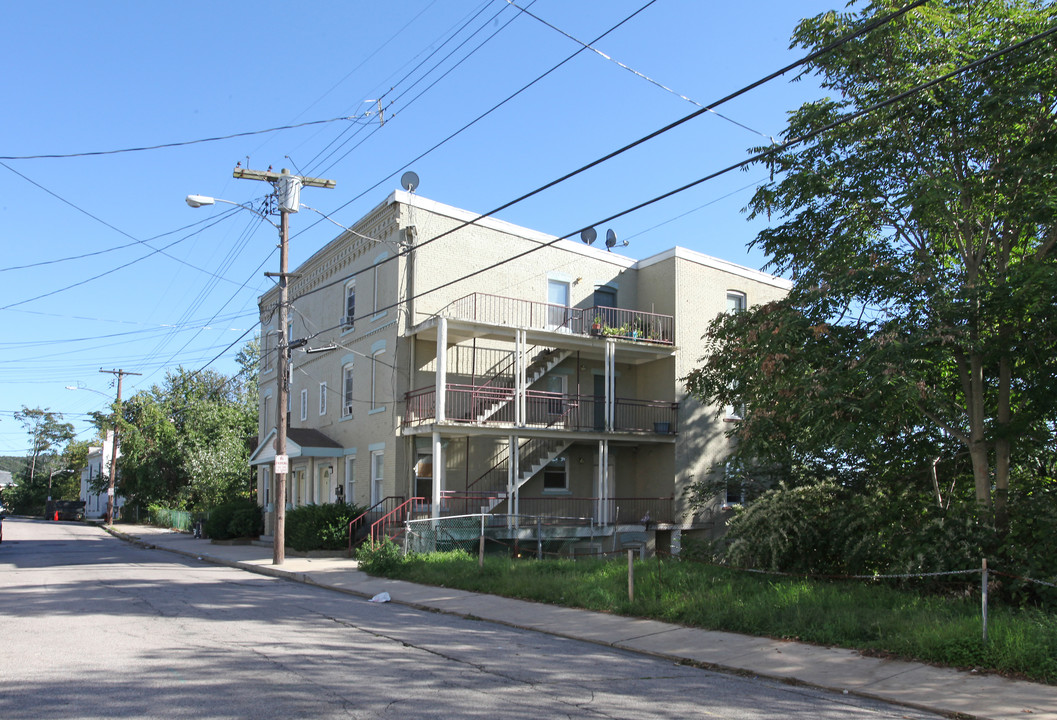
{"points": [[936, 627]]}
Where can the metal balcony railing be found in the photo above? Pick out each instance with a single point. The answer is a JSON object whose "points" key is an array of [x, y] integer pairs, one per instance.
{"points": [[469, 403], [634, 325]]}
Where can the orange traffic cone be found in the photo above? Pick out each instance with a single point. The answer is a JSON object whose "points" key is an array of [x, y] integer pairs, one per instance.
{"points": [[56, 516]]}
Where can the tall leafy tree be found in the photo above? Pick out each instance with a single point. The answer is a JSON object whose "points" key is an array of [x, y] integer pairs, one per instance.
{"points": [[922, 239], [185, 442]]}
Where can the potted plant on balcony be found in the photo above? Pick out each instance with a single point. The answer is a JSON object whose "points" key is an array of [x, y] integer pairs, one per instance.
{"points": [[596, 325]]}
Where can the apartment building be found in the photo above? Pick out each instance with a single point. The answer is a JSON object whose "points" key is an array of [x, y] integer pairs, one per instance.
{"points": [[487, 367]]}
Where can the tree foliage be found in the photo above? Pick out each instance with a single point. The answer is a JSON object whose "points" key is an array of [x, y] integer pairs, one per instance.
{"points": [[918, 344], [185, 443]]}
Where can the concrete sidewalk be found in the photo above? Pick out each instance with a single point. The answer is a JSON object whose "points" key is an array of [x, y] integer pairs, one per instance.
{"points": [[934, 689]]}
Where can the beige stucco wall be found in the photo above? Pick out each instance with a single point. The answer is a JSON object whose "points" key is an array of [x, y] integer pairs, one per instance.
{"points": [[691, 287]]}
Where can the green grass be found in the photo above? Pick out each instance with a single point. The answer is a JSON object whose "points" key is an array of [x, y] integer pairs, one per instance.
{"points": [[872, 617]]}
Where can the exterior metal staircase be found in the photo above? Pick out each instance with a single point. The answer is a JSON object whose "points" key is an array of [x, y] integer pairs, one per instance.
{"points": [[533, 456], [542, 364]]}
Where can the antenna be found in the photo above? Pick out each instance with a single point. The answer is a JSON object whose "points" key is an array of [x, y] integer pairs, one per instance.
{"points": [[588, 235], [409, 181], [611, 240]]}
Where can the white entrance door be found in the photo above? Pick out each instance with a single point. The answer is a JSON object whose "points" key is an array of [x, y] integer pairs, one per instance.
{"points": [[558, 300]]}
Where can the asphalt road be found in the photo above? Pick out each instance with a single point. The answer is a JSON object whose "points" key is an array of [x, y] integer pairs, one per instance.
{"points": [[93, 627]]}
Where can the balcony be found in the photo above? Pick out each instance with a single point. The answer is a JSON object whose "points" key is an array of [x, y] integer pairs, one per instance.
{"points": [[631, 325], [622, 510], [489, 405]]}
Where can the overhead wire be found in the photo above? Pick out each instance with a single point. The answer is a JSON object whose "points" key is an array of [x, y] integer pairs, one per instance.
{"points": [[848, 37], [426, 74], [792, 142], [635, 72], [162, 146], [492, 109]]}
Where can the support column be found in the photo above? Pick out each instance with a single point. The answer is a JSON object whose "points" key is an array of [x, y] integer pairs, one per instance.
{"points": [[610, 382], [442, 372], [438, 474], [510, 479], [514, 503]]}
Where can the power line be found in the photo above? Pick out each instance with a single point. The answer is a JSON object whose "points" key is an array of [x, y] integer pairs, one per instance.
{"points": [[671, 126], [175, 144], [850, 117], [635, 72]]}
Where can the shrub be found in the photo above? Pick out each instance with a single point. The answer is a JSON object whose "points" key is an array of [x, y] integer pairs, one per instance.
{"points": [[238, 518], [379, 559], [320, 527]]}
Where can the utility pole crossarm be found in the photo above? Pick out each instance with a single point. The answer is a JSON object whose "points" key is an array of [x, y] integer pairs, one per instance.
{"points": [[272, 177]]}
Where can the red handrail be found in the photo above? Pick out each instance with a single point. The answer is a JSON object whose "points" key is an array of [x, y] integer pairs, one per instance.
{"points": [[397, 514], [372, 509]]}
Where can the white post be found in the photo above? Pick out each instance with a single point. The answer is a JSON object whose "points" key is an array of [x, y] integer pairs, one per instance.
{"points": [[515, 502], [601, 479], [438, 474], [442, 371], [511, 454]]}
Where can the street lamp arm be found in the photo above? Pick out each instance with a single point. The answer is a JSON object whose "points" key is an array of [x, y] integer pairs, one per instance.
{"points": [[197, 201]]}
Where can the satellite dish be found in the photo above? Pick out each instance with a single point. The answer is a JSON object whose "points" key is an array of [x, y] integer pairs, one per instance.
{"points": [[588, 235], [611, 240], [409, 180]]}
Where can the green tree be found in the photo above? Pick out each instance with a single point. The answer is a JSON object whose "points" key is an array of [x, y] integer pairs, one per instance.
{"points": [[921, 239], [185, 443], [46, 432]]}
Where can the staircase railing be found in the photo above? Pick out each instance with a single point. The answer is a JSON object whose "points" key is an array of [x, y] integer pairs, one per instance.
{"points": [[494, 479], [372, 513], [380, 527]]}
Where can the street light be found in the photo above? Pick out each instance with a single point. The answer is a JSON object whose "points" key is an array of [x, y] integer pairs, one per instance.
{"points": [[288, 194]]}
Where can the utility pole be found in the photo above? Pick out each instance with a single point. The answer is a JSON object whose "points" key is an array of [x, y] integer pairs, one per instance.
{"points": [[288, 192], [113, 450]]}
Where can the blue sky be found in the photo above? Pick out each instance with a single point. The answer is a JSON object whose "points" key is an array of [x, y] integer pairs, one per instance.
{"points": [[105, 266]]}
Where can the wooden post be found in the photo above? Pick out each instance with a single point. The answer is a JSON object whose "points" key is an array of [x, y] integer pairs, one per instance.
{"points": [[631, 575], [983, 597]]}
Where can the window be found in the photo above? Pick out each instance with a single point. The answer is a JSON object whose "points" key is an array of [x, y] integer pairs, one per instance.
{"points": [[266, 351], [346, 390], [377, 301], [265, 420], [266, 478], [555, 475], [376, 377], [350, 479], [377, 467], [304, 404], [322, 398], [735, 301], [350, 305], [735, 492]]}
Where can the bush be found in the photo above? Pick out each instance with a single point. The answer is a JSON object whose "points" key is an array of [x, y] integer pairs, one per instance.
{"points": [[239, 518], [320, 527], [379, 559]]}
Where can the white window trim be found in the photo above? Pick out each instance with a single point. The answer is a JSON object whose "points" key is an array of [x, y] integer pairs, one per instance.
{"points": [[348, 322], [304, 404], [740, 299], [377, 480], [350, 479], [322, 398], [348, 386]]}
